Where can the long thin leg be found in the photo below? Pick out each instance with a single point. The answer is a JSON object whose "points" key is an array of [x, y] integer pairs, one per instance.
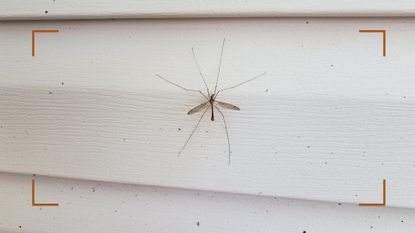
{"points": [[200, 71], [181, 87], [193, 131], [241, 83], [220, 65], [227, 136]]}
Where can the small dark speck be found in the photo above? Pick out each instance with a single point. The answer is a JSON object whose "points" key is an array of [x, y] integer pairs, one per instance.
{"points": [[179, 129], [20, 227], [50, 93], [71, 188], [304, 231], [404, 97], [63, 83], [331, 65], [339, 203], [93, 190], [266, 90], [401, 221], [46, 12], [308, 147], [371, 227], [198, 224], [307, 22], [115, 211]]}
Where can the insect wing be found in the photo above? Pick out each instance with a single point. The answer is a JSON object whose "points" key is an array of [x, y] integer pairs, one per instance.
{"points": [[228, 106], [198, 108]]}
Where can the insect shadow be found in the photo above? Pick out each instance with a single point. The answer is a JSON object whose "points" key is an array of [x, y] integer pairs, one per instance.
{"points": [[210, 100]]}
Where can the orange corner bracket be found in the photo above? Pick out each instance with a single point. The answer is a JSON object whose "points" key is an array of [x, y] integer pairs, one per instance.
{"points": [[33, 38], [384, 37], [384, 198], [33, 196]]}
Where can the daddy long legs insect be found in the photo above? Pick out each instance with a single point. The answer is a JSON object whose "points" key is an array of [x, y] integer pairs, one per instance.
{"points": [[210, 100]]}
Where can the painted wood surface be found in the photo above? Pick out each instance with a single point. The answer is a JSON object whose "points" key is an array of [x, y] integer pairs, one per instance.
{"points": [[106, 9], [329, 121], [91, 206]]}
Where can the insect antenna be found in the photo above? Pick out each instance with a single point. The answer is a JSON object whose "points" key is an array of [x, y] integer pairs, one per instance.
{"points": [[181, 87], [193, 131], [220, 65], [227, 136], [200, 71], [241, 83]]}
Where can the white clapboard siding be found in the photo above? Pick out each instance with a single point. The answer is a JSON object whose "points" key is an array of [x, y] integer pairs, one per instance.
{"points": [[94, 9], [91, 206], [329, 121]]}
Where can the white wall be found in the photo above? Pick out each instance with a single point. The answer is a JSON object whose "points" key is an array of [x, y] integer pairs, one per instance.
{"points": [[106, 9], [331, 119], [332, 115], [88, 206]]}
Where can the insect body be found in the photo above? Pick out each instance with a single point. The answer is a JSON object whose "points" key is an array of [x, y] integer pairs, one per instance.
{"points": [[210, 100], [212, 103]]}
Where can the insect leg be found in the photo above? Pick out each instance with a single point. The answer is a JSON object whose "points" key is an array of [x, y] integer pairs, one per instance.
{"points": [[193, 131], [181, 87], [200, 71], [241, 83], [220, 64], [227, 136]]}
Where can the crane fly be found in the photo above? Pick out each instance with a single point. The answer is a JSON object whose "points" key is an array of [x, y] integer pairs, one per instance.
{"points": [[210, 100]]}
